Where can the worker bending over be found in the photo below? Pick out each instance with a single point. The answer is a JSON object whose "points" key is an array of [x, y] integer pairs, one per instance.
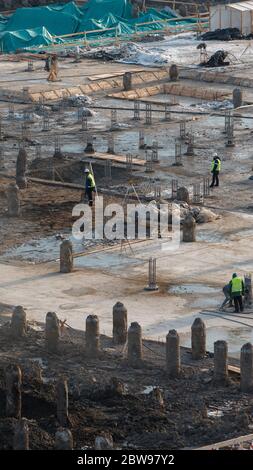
{"points": [[237, 291], [215, 170], [227, 293], [90, 186]]}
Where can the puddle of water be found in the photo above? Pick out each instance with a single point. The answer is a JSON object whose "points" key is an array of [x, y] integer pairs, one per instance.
{"points": [[40, 361], [217, 413], [148, 389], [193, 289], [106, 260], [46, 249], [211, 237], [235, 337], [214, 414], [205, 302]]}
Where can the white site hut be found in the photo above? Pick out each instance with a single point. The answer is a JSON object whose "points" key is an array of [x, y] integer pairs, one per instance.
{"points": [[233, 15]]}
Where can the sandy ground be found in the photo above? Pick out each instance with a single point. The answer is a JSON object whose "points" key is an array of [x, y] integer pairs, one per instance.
{"points": [[190, 278], [99, 280]]}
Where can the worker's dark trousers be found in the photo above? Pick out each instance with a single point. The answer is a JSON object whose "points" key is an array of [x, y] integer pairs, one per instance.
{"points": [[215, 180], [89, 194], [238, 303]]}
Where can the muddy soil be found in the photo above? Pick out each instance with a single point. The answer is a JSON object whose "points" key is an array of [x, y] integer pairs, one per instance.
{"points": [[195, 411]]}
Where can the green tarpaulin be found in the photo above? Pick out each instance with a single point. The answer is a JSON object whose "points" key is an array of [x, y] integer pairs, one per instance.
{"points": [[36, 26]]}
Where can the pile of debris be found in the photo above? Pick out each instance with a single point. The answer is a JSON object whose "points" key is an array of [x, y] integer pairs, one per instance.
{"points": [[226, 34], [79, 100], [127, 53], [216, 60]]}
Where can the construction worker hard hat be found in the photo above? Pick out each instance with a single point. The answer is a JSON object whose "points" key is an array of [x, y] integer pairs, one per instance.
{"points": [[86, 170], [215, 155]]}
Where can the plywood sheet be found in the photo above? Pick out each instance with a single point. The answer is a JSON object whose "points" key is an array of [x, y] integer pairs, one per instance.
{"points": [[116, 158]]}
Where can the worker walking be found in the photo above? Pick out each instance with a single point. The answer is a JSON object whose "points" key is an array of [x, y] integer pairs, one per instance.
{"points": [[237, 291], [90, 186], [228, 300], [53, 72], [215, 170]]}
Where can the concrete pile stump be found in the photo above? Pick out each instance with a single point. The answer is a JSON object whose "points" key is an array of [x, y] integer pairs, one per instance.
{"points": [[58, 155], [89, 146], [156, 397], [237, 97], [63, 439], [198, 339], [173, 73], [18, 322], [103, 443], [92, 336], [52, 332], [189, 229], [183, 195], [66, 257], [62, 402], [13, 380], [190, 147], [13, 200], [2, 160], [21, 436], [246, 364], [220, 362], [116, 386], [173, 360], [119, 323], [248, 291], [127, 81], [21, 167], [134, 353]]}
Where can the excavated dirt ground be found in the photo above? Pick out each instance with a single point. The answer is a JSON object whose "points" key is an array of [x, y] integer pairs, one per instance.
{"points": [[195, 413]]}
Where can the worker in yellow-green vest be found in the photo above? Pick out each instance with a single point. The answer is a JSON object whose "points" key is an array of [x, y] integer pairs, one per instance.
{"points": [[237, 291], [215, 170], [90, 186]]}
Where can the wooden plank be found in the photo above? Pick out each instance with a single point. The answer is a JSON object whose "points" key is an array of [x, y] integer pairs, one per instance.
{"points": [[229, 442], [116, 158], [103, 76], [234, 369]]}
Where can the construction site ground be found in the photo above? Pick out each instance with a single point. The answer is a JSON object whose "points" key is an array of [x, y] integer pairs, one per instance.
{"points": [[190, 279]]}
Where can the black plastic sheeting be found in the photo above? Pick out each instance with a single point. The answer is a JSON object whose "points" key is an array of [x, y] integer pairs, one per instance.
{"points": [[226, 34], [216, 60]]}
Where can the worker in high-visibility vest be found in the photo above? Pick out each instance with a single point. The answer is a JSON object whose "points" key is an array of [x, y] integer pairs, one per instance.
{"points": [[215, 170], [90, 185], [237, 291]]}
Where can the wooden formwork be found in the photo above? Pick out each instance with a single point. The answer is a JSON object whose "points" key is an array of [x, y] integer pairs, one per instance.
{"points": [[195, 91], [97, 86], [217, 77]]}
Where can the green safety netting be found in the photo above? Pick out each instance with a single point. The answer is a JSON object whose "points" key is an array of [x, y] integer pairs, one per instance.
{"points": [[37, 26]]}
